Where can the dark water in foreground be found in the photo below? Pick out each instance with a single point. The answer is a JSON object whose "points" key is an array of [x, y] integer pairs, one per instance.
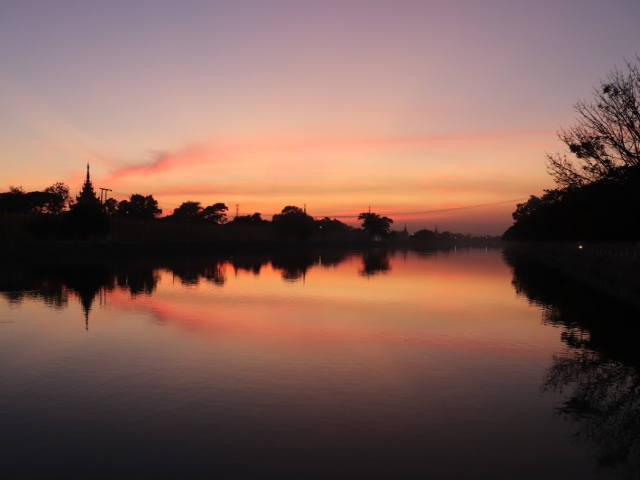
{"points": [[459, 364]]}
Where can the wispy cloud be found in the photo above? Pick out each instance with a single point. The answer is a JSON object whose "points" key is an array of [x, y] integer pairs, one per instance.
{"points": [[212, 153]]}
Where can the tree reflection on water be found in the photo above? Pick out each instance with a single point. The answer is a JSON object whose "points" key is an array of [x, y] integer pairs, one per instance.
{"points": [[375, 262], [598, 370], [600, 366], [54, 283]]}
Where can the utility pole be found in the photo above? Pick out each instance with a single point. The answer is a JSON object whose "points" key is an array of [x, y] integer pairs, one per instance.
{"points": [[237, 210], [104, 194]]}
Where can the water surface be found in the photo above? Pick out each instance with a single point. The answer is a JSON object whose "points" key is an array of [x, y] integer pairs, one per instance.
{"points": [[458, 364]]}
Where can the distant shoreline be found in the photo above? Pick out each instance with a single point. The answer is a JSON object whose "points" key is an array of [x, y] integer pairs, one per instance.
{"points": [[65, 249]]}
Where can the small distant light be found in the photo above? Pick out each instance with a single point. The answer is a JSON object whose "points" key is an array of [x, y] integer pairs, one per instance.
{"points": [[580, 247]]}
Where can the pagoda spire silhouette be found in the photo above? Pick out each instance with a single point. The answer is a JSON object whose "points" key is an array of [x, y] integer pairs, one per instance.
{"points": [[87, 195]]}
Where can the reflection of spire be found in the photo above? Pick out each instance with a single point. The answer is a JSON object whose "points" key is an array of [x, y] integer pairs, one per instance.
{"points": [[86, 300]]}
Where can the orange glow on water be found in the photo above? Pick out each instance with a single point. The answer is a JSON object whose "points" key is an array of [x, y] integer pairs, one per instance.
{"points": [[443, 300]]}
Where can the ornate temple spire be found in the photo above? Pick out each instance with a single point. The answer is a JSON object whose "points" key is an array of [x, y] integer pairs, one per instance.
{"points": [[87, 194]]}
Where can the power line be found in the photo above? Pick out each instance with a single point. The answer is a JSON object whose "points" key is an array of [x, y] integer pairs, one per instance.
{"points": [[426, 212], [479, 205]]}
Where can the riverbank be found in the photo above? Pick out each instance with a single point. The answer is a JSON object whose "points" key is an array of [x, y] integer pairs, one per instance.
{"points": [[613, 268], [62, 251], [25, 237]]}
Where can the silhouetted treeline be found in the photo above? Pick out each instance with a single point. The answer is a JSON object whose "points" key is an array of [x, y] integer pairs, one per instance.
{"points": [[433, 236], [53, 215], [607, 209], [52, 200], [599, 184], [46, 215]]}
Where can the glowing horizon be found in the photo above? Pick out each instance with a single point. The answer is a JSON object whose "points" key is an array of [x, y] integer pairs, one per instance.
{"points": [[405, 107]]}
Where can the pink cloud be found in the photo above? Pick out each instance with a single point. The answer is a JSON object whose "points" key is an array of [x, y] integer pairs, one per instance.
{"points": [[210, 152]]}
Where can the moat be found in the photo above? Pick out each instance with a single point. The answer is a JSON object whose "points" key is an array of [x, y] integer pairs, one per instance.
{"points": [[436, 364]]}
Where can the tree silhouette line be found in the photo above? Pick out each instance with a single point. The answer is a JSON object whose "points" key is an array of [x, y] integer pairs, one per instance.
{"points": [[56, 212], [598, 185]]}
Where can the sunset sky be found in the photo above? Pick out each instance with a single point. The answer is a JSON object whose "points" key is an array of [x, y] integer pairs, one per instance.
{"points": [[408, 107]]}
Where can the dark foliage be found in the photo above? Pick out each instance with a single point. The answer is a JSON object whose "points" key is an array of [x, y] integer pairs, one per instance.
{"points": [[254, 220], [111, 206], [215, 213], [85, 221], [425, 234], [193, 212], [327, 224], [599, 191], [375, 225], [189, 211], [138, 206], [53, 200], [606, 135], [604, 210], [293, 221]]}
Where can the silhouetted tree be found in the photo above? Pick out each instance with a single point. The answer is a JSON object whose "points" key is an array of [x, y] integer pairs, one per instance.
{"points": [[52, 200], [139, 206], [374, 224], [215, 213], [293, 221], [327, 224], [424, 235], [606, 136], [599, 192], [254, 220], [58, 198], [603, 210], [15, 201], [111, 206], [188, 212]]}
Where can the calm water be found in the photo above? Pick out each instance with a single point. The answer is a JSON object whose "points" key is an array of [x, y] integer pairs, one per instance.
{"points": [[459, 364]]}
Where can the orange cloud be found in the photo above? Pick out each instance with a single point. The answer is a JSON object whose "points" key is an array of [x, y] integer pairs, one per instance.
{"points": [[410, 178], [214, 153]]}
